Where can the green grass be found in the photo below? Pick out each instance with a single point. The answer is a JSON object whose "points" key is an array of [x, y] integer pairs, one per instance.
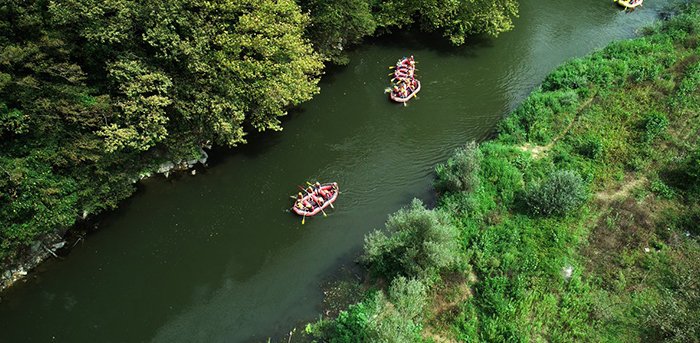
{"points": [[578, 222]]}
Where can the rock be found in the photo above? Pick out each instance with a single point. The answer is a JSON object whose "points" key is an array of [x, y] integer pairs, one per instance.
{"points": [[567, 271], [35, 247], [85, 213], [166, 167], [203, 156], [21, 272], [194, 171], [58, 245]]}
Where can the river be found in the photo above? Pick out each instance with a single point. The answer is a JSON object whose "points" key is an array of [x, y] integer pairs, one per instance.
{"points": [[218, 258]]}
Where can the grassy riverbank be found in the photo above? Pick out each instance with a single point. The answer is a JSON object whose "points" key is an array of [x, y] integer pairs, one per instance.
{"points": [[578, 222]]}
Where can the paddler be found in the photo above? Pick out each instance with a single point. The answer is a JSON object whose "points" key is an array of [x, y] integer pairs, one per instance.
{"points": [[324, 193], [307, 205]]}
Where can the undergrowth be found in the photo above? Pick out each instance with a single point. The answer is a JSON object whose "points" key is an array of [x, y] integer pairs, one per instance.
{"points": [[594, 240]]}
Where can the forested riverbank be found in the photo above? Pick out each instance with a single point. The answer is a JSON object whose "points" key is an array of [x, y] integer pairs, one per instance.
{"points": [[578, 222], [95, 95]]}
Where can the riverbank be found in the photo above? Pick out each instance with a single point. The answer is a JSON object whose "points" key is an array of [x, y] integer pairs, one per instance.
{"points": [[578, 222], [90, 104], [61, 241]]}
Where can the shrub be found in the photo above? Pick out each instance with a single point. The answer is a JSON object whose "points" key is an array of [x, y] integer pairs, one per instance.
{"points": [[654, 124], [589, 146], [417, 243], [662, 190], [561, 192], [500, 171], [461, 172], [409, 296], [692, 166], [352, 325], [378, 319]]}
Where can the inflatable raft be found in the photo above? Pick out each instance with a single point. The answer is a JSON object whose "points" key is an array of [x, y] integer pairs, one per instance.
{"points": [[332, 188], [629, 3], [397, 98], [405, 86]]}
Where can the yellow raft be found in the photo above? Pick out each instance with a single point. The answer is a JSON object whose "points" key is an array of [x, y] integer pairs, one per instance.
{"points": [[631, 4]]}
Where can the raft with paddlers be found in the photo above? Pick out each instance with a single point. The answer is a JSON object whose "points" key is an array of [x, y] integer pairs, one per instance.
{"points": [[630, 4], [315, 198], [408, 96], [404, 86]]}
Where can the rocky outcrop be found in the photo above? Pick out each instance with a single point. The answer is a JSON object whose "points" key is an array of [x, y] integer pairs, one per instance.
{"points": [[40, 251], [167, 167]]}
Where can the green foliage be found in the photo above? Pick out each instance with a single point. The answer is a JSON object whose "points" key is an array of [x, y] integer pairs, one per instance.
{"points": [[458, 19], [409, 297], [94, 93], [335, 25], [461, 172], [622, 268], [500, 169], [417, 243], [590, 146], [540, 117], [562, 192], [378, 319], [676, 315], [662, 190], [654, 125], [692, 166]]}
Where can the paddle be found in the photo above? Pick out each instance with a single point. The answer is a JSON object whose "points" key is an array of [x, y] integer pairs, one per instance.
{"points": [[303, 218]]}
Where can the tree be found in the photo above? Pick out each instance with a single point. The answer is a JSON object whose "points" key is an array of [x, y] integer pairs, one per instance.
{"points": [[335, 25], [417, 243], [461, 172]]}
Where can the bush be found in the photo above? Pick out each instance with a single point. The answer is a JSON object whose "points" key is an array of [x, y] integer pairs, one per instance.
{"points": [[352, 325], [654, 125], [662, 190], [504, 178], [417, 243], [378, 319], [590, 146], [563, 191], [461, 172], [692, 166], [409, 296]]}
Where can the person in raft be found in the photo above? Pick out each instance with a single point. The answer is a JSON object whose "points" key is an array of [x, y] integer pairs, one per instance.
{"points": [[325, 194], [302, 203]]}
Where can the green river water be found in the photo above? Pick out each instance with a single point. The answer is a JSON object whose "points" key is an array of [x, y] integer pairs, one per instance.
{"points": [[218, 257]]}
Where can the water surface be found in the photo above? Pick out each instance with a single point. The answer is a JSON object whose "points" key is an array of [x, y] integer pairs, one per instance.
{"points": [[218, 257]]}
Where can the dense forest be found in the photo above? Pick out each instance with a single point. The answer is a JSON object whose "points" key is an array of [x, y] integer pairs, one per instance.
{"points": [[96, 94], [577, 223]]}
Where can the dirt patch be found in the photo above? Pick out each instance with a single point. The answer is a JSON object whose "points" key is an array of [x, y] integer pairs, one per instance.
{"points": [[609, 195], [446, 301], [626, 228], [538, 151]]}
